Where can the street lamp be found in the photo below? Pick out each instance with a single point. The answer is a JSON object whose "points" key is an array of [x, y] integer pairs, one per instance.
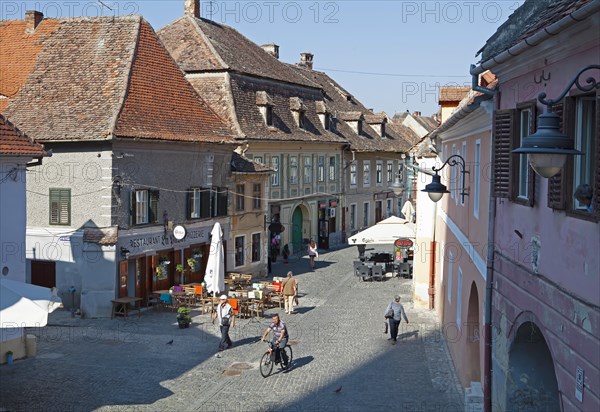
{"points": [[548, 148], [398, 186], [436, 189]]}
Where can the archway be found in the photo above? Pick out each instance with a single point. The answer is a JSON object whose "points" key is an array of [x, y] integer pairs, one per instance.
{"points": [[296, 235], [531, 377], [473, 339]]}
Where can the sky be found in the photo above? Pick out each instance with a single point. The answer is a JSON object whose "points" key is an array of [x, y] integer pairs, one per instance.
{"points": [[391, 55]]}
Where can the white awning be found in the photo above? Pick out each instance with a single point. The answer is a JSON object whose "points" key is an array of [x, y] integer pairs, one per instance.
{"points": [[25, 305], [384, 232]]}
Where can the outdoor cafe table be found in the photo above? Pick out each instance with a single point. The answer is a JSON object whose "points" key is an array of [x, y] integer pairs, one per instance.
{"points": [[120, 306]]}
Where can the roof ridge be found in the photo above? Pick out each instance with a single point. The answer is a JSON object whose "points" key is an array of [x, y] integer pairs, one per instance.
{"points": [[127, 80], [207, 41]]}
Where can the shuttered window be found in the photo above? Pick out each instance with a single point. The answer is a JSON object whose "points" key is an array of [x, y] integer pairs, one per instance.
{"points": [[218, 202], [198, 202], [60, 206], [513, 178], [143, 207], [580, 121], [504, 126]]}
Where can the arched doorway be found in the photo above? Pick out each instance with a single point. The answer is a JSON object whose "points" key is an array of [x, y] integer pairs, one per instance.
{"points": [[473, 339], [531, 377], [297, 219]]}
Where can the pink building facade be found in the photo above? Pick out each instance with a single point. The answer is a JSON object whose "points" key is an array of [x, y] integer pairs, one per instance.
{"points": [[546, 265]]}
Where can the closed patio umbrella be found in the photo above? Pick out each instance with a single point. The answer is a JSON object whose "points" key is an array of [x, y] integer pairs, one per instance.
{"points": [[215, 266], [25, 305]]}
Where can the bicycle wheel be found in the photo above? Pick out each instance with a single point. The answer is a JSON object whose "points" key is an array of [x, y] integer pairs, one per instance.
{"points": [[288, 352], [266, 365]]}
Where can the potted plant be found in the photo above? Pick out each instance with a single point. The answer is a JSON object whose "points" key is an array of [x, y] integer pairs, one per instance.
{"points": [[193, 264], [179, 268], [183, 317]]}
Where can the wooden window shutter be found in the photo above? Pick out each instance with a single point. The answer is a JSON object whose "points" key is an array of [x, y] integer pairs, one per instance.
{"points": [[222, 202], [556, 191], [504, 130], [132, 208], [153, 197], [65, 206], [205, 202], [54, 206], [190, 204]]}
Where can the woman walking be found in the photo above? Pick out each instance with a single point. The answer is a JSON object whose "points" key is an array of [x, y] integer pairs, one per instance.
{"points": [[312, 253]]}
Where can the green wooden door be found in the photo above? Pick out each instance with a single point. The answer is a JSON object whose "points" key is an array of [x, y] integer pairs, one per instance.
{"points": [[296, 230]]}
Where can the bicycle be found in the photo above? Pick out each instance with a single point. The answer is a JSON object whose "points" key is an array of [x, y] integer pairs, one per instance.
{"points": [[273, 356]]}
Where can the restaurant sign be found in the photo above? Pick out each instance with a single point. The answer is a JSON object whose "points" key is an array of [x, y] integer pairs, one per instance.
{"points": [[138, 244], [403, 242]]}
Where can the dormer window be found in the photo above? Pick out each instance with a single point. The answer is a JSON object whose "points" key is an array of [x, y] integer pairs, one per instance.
{"points": [[265, 105], [324, 115], [269, 115], [298, 111], [378, 122], [354, 120]]}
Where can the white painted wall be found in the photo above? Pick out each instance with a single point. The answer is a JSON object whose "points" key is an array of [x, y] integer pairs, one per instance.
{"points": [[13, 218]]}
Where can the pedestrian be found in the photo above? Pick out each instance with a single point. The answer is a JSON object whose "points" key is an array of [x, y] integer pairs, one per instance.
{"points": [[290, 292], [584, 194], [312, 253], [394, 313], [224, 313]]}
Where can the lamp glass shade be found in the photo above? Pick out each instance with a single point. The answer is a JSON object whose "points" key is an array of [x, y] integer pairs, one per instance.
{"points": [[435, 196], [397, 187], [435, 189], [547, 164]]}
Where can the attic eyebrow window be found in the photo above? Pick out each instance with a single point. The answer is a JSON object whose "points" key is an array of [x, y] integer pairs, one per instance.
{"points": [[265, 105], [298, 111], [324, 115]]}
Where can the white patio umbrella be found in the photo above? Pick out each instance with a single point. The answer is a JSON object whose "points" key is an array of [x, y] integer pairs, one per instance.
{"points": [[25, 305], [384, 232], [215, 266]]}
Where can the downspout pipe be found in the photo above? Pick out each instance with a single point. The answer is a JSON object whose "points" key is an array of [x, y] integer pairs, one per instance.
{"points": [[537, 38], [489, 283]]}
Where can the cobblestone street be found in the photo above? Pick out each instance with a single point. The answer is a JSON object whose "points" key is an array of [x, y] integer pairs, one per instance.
{"points": [[337, 340]]}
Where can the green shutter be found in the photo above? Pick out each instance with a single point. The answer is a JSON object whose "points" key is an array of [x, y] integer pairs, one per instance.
{"points": [[153, 213], [60, 206], [204, 202]]}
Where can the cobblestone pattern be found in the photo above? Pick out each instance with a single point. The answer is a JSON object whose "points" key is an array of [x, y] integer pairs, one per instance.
{"points": [[336, 335]]}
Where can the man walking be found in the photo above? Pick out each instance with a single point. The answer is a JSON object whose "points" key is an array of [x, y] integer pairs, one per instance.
{"points": [[395, 309], [290, 292], [226, 317]]}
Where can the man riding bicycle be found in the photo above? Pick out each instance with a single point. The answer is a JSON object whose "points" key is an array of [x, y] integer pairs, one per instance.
{"points": [[280, 337]]}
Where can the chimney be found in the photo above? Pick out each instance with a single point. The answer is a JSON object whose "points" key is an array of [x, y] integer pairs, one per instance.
{"points": [[306, 60], [33, 18], [192, 8], [416, 114], [272, 49]]}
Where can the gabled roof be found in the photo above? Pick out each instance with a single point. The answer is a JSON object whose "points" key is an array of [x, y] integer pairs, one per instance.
{"points": [[252, 124], [104, 77], [453, 93], [15, 143], [241, 164], [343, 108], [530, 18], [201, 45]]}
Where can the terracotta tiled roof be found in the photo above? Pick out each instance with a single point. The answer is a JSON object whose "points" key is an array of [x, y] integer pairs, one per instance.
{"points": [[527, 20], [101, 236], [242, 164], [15, 143], [18, 53], [453, 93], [161, 103], [200, 45], [95, 78]]}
